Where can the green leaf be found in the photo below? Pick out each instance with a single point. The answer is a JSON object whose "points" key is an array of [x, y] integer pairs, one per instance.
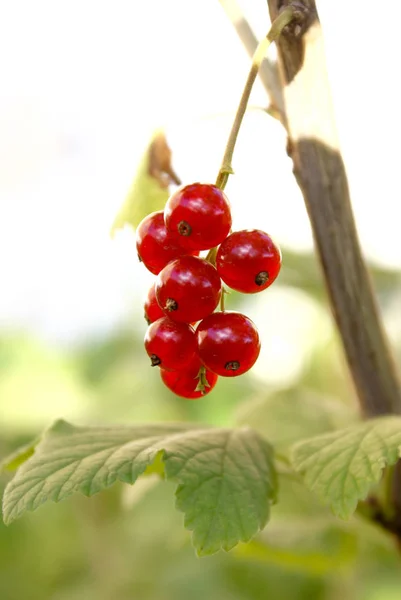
{"points": [[149, 190], [227, 482], [342, 467], [18, 457], [226, 478]]}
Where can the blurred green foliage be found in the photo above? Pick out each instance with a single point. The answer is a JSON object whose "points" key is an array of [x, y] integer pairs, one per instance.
{"points": [[129, 542]]}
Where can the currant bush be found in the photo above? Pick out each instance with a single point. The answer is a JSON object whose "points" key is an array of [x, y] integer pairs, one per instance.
{"points": [[188, 289], [199, 215], [154, 244], [228, 343], [248, 261], [152, 310], [169, 344], [186, 382]]}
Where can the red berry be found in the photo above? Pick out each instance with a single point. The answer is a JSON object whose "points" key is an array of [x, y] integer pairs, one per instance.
{"points": [[200, 215], [184, 382], [188, 289], [151, 308], [228, 343], [170, 345], [248, 261], [154, 244]]}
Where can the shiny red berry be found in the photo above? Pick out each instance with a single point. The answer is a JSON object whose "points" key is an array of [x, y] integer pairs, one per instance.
{"points": [[228, 343], [151, 308], [188, 289], [200, 215], [185, 381], [170, 345], [248, 261], [154, 244]]}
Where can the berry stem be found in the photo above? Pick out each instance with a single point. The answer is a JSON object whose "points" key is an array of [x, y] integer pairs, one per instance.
{"points": [[283, 19], [211, 256], [202, 381], [223, 299]]}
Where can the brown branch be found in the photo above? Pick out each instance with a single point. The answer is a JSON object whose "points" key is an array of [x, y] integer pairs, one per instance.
{"points": [[268, 71], [320, 173]]}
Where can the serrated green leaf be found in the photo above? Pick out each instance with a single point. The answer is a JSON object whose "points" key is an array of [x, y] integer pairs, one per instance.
{"points": [[226, 477], [341, 467], [227, 483], [81, 459]]}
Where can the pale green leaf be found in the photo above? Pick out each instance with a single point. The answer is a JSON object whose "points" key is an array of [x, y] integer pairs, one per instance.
{"points": [[149, 191], [226, 479], [227, 483], [341, 467]]}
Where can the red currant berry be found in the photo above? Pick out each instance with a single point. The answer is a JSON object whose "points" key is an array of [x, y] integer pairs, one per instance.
{"points": [[248, 261], [154, 244], [228, 343], [200, 215], [151, 308], [188, 289], [170, 345], [185, 381]]}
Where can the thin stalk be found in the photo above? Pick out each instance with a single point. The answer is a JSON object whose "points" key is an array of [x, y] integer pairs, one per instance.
{"points": [[283, 19]]}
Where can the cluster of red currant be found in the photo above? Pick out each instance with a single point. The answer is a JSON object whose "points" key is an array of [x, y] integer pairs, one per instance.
{"points": [[188, 289]]}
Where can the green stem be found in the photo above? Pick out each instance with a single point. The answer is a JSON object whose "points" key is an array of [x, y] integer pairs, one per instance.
{"points": [[283, 19], [222, 299], [211, 256]]}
